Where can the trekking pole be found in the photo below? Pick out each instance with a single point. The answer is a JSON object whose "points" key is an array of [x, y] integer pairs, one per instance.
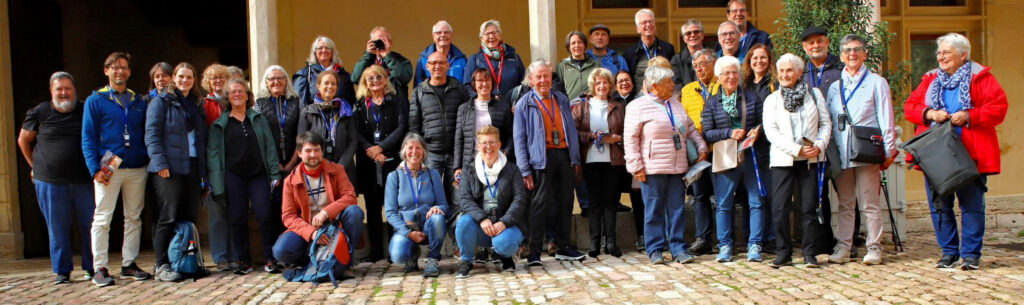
{"points": [[897, 244]]}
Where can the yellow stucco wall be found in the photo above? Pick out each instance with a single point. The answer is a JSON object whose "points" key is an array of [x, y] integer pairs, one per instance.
{"points": [[410, 23]]}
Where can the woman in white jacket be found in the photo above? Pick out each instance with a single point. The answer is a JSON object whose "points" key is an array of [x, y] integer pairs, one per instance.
{"points": [[797, 123]]}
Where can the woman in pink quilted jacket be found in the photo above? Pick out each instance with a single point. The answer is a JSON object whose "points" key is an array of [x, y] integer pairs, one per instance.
{"points": [[655, 134]]}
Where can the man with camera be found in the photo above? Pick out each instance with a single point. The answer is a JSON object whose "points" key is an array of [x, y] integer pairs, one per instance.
{"points": [[378, 52]]}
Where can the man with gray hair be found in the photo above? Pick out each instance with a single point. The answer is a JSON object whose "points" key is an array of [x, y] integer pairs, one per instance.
{"points": [[648, 47], [51, 135], [728, 39], [547, 153], [682, 62], [739, 14], [442, 33], [378, 52]]}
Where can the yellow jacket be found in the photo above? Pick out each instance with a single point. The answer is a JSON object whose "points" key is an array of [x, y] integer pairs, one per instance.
{"points": [[693, 101]]}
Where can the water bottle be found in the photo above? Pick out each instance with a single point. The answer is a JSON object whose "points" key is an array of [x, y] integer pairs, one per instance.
{"points": [[191, 248]]}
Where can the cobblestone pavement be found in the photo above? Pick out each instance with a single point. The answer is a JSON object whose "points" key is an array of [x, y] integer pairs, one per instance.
{"points": [[909, 277]]}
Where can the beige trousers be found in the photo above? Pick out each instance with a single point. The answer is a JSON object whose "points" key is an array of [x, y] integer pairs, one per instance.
{"points": [[133, 182], [859, 184]]}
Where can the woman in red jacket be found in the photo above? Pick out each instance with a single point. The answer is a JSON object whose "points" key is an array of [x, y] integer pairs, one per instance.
{"points": [[966, 94]]}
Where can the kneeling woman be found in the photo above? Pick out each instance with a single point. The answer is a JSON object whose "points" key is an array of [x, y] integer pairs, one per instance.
{"points": [[415, 206], [493, 201]]}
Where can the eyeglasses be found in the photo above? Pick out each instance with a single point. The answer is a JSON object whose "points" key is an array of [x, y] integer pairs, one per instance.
{"points": [[692, 33], [374, 78], [324, 48], [701, 63], [116, 67], [727, 34], [276, 78], [854, 50], [738, 10], [943, 53], [436, 62], [442, 32]]}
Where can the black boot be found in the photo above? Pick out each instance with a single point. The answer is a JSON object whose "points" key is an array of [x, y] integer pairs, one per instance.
{"points": [[595, 247], [610, 248]]}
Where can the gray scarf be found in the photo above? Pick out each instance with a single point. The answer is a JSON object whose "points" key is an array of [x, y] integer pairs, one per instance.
{"points": [[794, 97]]}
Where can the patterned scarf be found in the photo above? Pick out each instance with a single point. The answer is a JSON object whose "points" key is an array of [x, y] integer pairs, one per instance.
{"points": [[961, 80], [729, 104], [794, 97], [344, 109], [493, 53]]}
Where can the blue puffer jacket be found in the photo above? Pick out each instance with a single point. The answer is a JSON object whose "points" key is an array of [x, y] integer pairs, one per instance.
{"points": [[167, 123], [511, 74], [717, 124], [530, 138], [456, 64], [103, 130]]}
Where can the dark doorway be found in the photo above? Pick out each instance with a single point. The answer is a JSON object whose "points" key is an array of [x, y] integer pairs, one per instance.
{"points": [[76, 36]]}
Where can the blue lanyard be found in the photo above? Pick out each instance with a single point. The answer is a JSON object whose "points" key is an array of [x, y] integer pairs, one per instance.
{"points": [[315, 193], [668, 110], [597, 142], [842, 90], [821, 184], [491, 188], [550, 113], [655, 51], [415, 186], [704, 92], [331, 125], [757, 172], [124, 115], [281, 113], [821, 72], [373, 111]]}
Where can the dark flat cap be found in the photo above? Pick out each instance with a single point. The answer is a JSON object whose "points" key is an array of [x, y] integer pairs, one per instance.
{"points": [[599, 27], [812, 30]]}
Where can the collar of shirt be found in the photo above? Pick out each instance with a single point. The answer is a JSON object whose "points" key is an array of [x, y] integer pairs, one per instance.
{"points": [[851, 80]]}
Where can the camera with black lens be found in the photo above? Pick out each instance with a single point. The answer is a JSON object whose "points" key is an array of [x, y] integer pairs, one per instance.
{"points": [[491, 208]]}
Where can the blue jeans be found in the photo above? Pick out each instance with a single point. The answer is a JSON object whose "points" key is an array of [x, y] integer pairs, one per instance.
{"points": [[664, 222], [972, 208], [469, 235], [60, 204], [292, 249], [220, 232], [401, 246], [726, 183]]}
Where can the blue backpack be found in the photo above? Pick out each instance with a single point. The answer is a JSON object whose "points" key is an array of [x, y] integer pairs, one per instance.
{"points": [[185, 253], [324, 260]]}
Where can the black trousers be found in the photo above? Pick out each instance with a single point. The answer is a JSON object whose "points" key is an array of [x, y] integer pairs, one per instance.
{"points": [[602, 181], [373, 195], [784, 180], [552, 196], [177, 200]]}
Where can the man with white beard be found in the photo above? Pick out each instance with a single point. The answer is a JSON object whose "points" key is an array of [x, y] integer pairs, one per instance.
{"points": [[51, 141]]}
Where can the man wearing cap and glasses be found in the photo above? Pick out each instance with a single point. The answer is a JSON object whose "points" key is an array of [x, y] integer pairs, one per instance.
{"points": [[611, 60]]}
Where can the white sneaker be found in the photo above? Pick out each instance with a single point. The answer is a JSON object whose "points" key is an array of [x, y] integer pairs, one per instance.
{"points": [[874, 256], [840, 255]]}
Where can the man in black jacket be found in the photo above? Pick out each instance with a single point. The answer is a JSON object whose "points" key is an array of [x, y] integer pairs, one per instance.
{"points": [[432, 113], [682, 63], [647, 48]]}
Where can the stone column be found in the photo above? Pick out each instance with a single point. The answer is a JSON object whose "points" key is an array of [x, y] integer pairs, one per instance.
{"points": [[10, 212], [262, 37], [543, 41]]}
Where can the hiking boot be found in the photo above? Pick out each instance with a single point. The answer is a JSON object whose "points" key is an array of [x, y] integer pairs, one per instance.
{"points": [[508, 264], [569, 254], [947, 261], [533, 260], [700, 246], [874, 256], [657, 258], [464, 268], [811, 262], [62, 278], [683, 258], [840, 255], [780, 261], [133, 272], [754, 253], [102, 278], [724, 254], [971, 263], [432, 269], [243, 268], [166, 274]]}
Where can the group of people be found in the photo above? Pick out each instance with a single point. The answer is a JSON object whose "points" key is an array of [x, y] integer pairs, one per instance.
{"points": [[490, 151]]}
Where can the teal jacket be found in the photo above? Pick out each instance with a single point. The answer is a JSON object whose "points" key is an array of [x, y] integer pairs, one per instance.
{"points": [[215, 149]]}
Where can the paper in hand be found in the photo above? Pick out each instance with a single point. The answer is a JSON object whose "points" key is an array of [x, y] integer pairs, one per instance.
{"points": [[695, 171]]}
